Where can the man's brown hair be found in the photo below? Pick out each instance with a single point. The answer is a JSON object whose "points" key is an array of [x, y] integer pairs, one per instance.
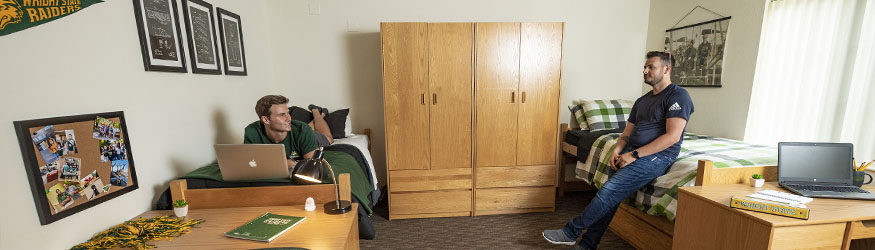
{"points": [[262, 107]]}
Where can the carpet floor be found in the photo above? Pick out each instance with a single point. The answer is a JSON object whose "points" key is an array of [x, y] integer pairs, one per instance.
{"points": [[511, 231]]}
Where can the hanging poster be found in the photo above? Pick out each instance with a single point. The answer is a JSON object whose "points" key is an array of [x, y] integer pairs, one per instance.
{"points": [[160, 42], [18, 15], [231, 32], [698, 53]]}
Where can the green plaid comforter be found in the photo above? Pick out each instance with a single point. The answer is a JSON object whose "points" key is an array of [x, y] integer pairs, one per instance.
{"points": [[659, 197]]}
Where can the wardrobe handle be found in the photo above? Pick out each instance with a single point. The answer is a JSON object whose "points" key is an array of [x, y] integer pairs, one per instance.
{"points": [[433, 98], [524, 97], [422, 98], [512, 96]]}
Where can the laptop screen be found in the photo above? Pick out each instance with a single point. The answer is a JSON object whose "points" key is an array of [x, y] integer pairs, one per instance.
{"points": [[815, 162]]}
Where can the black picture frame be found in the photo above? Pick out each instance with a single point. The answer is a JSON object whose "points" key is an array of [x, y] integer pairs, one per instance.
{"points": [[159, 32], [202, 46], [233, 51], [97, 165]]}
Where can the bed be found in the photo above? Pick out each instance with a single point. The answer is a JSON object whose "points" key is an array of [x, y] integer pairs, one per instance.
{"points": [[646, 219], [352, 150]]}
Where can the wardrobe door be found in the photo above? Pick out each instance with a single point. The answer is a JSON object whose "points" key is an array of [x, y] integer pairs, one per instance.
{"points": [[450, 76], [540, 58], [405, 86], [497, 62]]}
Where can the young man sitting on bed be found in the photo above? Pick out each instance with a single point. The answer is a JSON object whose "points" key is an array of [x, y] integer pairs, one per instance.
{"points": [[276, 126], [648, 146]]}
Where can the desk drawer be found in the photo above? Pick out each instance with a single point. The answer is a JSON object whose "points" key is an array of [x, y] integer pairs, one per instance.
{"points": [[515, 198], [519, 176], [821, 236], [863, 229], [429, 180], [430, 202]]}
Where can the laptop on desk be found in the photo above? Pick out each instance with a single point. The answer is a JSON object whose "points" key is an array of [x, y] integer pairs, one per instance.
{"points": [[819, 170], [246, 162]]}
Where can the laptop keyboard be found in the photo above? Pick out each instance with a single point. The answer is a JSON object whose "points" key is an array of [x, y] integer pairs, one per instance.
{"points": [[841, 189]]}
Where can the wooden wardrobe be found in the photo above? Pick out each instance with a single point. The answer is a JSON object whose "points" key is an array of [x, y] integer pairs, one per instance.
{"points": [[471, 113]]}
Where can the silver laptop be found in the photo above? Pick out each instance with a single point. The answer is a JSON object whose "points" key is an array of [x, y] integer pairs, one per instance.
{"points": [[245, 162], [819, 170]]}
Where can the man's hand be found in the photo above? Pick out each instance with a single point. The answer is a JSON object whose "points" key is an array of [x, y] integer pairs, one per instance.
{"points": [[291, 163], [622, 160]]}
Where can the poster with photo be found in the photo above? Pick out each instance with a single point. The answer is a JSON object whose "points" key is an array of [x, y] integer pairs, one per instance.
{"points": [[119, 174], [105, 129], [45, 142], [698, 53], [49, 172], [71, 169], [63, 167], [112, 150]]}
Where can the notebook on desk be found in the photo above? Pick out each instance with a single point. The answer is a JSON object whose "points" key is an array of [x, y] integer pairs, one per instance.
{"points": [[820, 170]]}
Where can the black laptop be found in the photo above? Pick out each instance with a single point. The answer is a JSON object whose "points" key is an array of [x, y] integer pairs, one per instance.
{"points": [[821, 170]]}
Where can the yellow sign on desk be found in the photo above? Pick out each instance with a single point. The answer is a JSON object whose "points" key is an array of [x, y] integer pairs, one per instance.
{"points": [[762, 206]]}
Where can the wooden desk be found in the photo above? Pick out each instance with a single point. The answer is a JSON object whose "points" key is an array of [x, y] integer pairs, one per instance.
{"points": [[705, 221], [318, 231]]}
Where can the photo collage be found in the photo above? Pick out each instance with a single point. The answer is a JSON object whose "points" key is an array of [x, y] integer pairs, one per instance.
{"points": [[64, 176]]}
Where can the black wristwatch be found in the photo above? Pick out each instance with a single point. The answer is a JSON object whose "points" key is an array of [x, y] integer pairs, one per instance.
{"points": [[635, 154]]}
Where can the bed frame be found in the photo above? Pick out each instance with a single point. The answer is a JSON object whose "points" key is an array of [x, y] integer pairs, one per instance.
{"points": [[644, 231]]}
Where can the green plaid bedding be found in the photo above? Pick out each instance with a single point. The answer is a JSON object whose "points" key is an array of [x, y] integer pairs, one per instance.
{"points": [[605, 114], [659, 197]]}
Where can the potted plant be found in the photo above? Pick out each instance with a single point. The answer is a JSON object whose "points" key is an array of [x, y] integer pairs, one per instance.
{"points": [[757, 180], [180, 208]]}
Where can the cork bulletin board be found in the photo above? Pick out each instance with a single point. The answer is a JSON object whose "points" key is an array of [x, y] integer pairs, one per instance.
{"points": [[76, 162]]}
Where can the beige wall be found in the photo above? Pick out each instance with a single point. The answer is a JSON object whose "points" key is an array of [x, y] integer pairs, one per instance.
{"points": [[333, 58], [719, 111], [90, 62]]}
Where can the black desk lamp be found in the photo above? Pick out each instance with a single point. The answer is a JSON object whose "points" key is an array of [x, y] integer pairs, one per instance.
{"points": [[310, 171]]}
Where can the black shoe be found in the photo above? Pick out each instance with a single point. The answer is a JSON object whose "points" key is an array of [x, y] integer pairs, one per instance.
{"points": [[321, 109]]}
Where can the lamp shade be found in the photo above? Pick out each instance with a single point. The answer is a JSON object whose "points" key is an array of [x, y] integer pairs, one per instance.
{"points": [[311, 171]]}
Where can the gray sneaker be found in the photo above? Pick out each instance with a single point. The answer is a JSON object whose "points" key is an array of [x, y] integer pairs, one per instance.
{"points": [[557, 236]]}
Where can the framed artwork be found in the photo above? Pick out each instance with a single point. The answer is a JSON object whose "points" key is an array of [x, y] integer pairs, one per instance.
{"points": [[160, 41], [76, 162], [698, 52], [202, 45], [231, 32]]}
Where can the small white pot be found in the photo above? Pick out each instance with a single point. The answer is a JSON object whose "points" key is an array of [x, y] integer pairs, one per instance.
{"points": [[757, 182], [180, 211]]}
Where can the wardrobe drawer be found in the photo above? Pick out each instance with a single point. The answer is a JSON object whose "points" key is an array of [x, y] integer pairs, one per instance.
{"points": [[430, 202], [428, 180], [519, 176], [513, 198]]}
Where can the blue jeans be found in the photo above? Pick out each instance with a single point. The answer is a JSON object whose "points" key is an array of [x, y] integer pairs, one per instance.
{"points": [[623, 183]]}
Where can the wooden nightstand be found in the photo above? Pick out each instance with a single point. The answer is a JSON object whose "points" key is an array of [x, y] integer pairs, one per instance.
{"points": [[705, 221]]}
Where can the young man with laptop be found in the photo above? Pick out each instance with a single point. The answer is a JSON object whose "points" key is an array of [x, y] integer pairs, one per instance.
{"points": [[271, 146]]}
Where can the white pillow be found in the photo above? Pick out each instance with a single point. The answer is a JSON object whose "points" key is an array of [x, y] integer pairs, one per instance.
{"points": [[347, 128]]}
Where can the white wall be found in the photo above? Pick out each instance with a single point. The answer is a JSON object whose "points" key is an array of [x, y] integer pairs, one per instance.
{"points": [[333, 58], [90, 62], [719, 111]]}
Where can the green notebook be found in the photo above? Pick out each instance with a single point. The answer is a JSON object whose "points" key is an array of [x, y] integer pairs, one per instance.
{"points": [[266, 227]]}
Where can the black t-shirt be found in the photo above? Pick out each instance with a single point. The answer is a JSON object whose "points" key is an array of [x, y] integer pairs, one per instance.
{"points": [[650, 112]]}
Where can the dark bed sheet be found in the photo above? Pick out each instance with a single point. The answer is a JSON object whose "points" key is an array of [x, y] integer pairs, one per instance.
{"points": [[584, 139]]}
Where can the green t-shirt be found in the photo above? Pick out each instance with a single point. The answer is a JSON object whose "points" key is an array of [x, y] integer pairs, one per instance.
{"points": [[298, 142]]}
